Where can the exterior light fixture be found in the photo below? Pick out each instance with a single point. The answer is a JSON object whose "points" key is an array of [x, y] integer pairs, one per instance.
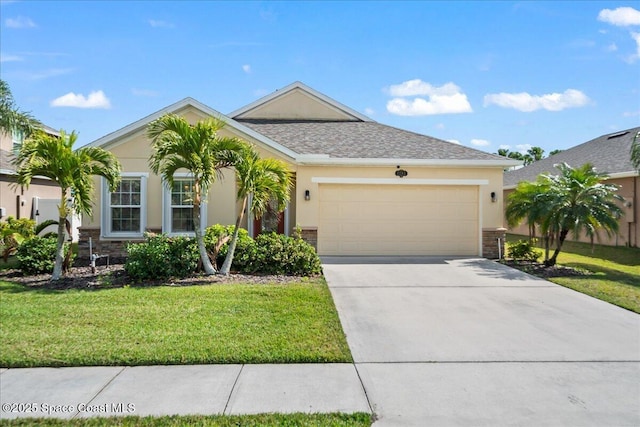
{"points": [[307, 195], [401, 173], [494, 197]]}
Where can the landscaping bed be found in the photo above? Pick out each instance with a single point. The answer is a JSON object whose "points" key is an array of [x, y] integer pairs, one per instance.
{"points": [[538, 269]]}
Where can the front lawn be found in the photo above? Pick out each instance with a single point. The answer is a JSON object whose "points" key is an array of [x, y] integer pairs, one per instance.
{"points": [[289, 420], [616, 272], [221, 323]]}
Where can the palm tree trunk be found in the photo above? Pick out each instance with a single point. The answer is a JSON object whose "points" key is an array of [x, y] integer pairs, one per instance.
{"points": [[62, 209], [202, 249], [226, 266], [552, 261]]}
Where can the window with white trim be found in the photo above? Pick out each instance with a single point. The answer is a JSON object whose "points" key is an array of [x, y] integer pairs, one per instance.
{"points": [[17, 138], [124, 213], [178, 209]]}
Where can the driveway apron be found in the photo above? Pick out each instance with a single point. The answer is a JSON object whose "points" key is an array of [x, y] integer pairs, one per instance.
{"points": [[452, 341]]}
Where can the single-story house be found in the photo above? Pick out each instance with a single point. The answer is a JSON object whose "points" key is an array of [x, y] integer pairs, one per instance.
{"points": [[361, 188], [39, 201], [610, 154]]}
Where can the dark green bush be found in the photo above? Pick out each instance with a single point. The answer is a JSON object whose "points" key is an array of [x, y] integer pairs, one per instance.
{"points": [[524, 250], [37, 255], [279, 254], [161, 257]]}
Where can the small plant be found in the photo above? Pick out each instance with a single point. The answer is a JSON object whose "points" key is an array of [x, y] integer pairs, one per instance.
{"points": [[524, 250], [37, 255], [216, 239], [161, 257]]}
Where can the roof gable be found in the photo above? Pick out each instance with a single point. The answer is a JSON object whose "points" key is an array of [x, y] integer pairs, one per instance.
{"points": [[187, 104], [297, 101], [610, 154]]}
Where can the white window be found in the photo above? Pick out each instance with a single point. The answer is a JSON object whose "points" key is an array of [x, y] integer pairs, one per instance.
{"points": [[178, 207], [124, 209], [17, 138]]}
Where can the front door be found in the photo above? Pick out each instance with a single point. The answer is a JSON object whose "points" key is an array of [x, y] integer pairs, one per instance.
{"points": [[271, 221]]}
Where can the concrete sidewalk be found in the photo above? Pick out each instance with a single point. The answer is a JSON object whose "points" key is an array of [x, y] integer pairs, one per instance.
{"points": [[182, 390]]}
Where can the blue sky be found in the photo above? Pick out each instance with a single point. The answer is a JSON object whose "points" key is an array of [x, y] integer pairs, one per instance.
{"points": [[484, 74]]}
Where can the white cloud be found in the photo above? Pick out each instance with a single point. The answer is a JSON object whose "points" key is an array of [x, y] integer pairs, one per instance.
{"points": [[523, 148], [504, 147], [436, 104], [523, 101], [453, 141], [480, 142], [160, 24], [444, 99], [144, 92], [612, 47], [439, 126], [96, 99], [417, 87], [621, 17], [246, 68], [19, 22], [631, 113], [634, 57], [369, 111], [10, 58]]}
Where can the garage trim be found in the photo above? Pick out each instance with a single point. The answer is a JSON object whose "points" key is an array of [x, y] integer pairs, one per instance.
{"points": [[397, 181]]}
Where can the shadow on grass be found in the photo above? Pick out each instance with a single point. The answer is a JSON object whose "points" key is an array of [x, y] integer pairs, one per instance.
{"points": [[603, 273]]}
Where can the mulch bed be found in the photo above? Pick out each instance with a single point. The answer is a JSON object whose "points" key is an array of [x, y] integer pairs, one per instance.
{"points": [[114, 276], [540, 270]]}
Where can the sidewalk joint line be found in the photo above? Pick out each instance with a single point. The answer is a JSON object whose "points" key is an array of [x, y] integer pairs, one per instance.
{"points": [[364, 389], [101, 390], [233, 387]]}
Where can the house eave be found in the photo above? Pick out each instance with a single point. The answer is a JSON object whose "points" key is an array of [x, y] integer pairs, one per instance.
{"points": [[320, 160]]}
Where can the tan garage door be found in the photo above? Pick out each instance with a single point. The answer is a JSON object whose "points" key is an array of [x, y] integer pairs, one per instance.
{"points": [[398, 220]]}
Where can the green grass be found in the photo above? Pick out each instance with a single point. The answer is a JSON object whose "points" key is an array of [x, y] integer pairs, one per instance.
{"points": [[289, 420], [616, 269], [234, 323]]}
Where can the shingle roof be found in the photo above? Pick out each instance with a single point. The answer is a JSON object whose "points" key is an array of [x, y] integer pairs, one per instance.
{"points": [[358, 139], [608, 154]]}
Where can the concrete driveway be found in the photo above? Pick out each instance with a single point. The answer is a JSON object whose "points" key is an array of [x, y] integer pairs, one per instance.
{"points": [[471, 342]]}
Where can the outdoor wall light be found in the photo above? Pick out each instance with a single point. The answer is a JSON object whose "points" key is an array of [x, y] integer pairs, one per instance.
{"points": [[307, 195], [494, 197]]}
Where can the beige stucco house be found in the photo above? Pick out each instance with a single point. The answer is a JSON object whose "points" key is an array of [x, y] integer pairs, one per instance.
{"points": [[361, 188], [610, 154]]}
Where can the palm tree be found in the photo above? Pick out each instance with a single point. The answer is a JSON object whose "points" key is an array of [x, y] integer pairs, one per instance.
{"points": [[265, 180], [53, 157], [200, 150], [527, 202], [579, 201], [11, 118], [635, 151]]}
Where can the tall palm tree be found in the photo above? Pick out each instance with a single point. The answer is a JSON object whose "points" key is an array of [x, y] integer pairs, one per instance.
{"points": [[579, 201], [635, 151], [53, 157], [11, 118], [199, 149], [265, 180]]}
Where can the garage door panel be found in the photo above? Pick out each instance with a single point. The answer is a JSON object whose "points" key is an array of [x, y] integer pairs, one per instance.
{"points": [[398, 220]]}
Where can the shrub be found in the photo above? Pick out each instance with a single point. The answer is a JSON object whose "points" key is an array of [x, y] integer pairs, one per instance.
{"points": [[161, 257], [244, 244], [524, 250], [37, 255], [279, 254]]}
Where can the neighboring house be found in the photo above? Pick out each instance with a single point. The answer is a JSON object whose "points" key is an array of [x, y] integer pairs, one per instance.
{"points": [[610, 154], [361, 188], [37, 202]]}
